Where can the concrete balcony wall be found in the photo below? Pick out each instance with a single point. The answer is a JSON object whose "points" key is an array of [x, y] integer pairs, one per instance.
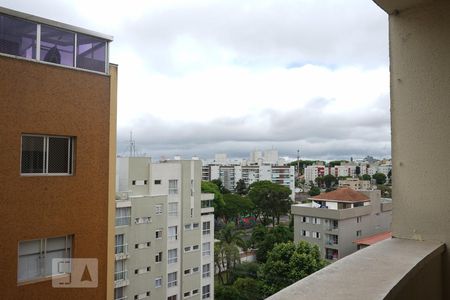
{"points": [[335, 214]]}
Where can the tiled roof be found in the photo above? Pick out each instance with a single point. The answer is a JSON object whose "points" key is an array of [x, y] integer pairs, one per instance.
{"points": [[370, 240], [342, 195]]}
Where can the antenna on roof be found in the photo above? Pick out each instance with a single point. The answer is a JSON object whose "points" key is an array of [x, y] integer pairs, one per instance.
{"points": [[132, 146]]}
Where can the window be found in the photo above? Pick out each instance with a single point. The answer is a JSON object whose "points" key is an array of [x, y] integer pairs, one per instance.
{"points": [[35, 256], [17, 37], [206, 228], [195, 247], [206, 271], [118, 293], [187, 294], [120, 272], [194, 292], [188, 226], [358, 219], [305, 233], [187, 249], [172, 256], [158, 257], [120, 246], [358, 233], [172, 279], [142, 270], [206, 291], [316, 235], [173, 187], [187, 271], [173, 297], [195, 269], [173, 209], [47, 155], [158, 209], [172, 233], [195, 225], [158, 234], [139, 182], [91, 53], [304, 219], [143, 220], [142, 245], [157, 181], [158, 282], [206, 249], [123, 216], [316, 220]]}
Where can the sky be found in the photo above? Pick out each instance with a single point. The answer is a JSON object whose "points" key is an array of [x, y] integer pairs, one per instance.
{"points": [[199, 77]]}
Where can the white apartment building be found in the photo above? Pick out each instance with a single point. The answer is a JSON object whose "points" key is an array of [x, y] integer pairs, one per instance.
{"points": [[231, 174], [348, 170], [164, 231]]}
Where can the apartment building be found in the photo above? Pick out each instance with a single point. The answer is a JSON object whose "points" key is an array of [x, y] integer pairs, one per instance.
{"points": [[334, 220], [355, 184], [231, 174], [164, 231], [58, 129], [348, 170]]}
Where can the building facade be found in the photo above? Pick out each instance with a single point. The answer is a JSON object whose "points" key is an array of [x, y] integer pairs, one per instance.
{"points": [[58, 129], [314, 171], [164, 231], [334, 220]]}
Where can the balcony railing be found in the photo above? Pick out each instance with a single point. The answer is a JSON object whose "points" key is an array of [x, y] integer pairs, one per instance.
{"points": [[121, 279], [392, 269], [121, 251]]}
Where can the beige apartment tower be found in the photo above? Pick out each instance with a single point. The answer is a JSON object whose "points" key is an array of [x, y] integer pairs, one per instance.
{"points": [[164, 231]]}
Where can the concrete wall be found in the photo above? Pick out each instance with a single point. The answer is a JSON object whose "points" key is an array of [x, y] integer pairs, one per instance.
{"points": [[45, 99]]}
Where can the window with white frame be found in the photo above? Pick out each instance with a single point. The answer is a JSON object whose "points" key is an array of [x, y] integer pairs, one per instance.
{"points": [[304, 219], [48, 155], [158, 233], [206, 228], [158, 282], [187, 248], [305, 233], [172, 256], [316, 220], [35, 257], [158, 209], [173, 187], [187, 271], [187, 294], [143, 220], [195, 225], [173, 297], [195, 247], [172, 209], [188, 226], [120, 246], [172, 279], [358, 219], [206, 249], [316, 235], [123, 216], [206, 291], [172, 233], [195, 269], [195, 292], [206, 270]]}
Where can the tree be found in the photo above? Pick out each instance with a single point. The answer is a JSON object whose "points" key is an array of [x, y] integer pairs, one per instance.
{"points": [[357, 170], [226, 251], [319, 180], [264, 239], [288, 263], [220, 185], [271, 200], [236, 206], [219, 204], [366, 177], [226, 292], [380, 178], [241, 187], [389, 175], [314, 191], [249, 289], [329, 180]]}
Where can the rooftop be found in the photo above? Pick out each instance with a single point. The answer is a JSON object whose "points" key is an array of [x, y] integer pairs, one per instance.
{"points": [[370, 240], [342, 195]]}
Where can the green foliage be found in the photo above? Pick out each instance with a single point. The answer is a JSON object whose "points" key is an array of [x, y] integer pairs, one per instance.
{"points": [[245, 270], [241, 187], [219, 203], [220, 185], [357, 170], [236, 206], [334, 163], [288, 263], [226, 292], [366, 177], [264, 239], [271, 200], [249, 289], [314, 191], [380, 178], [329, 180]]}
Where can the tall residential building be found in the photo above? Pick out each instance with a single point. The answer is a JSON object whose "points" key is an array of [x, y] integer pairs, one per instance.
{"points": [[231, 174], [334, 220], [164, 231], [58, 131], [314, 171]]}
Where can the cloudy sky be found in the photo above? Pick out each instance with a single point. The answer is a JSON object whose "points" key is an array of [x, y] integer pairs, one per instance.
{"points": [[199, 77]]}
